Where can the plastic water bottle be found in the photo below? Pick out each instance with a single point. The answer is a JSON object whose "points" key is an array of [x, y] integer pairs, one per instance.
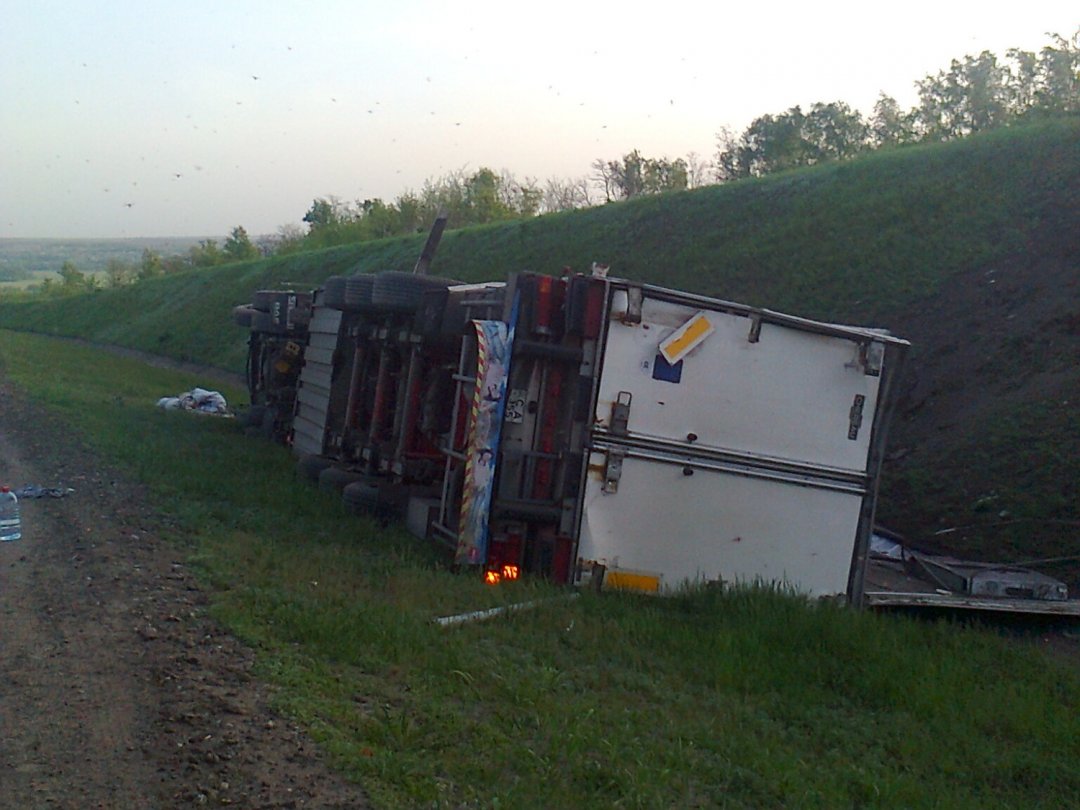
{"points": [[10, 525]]}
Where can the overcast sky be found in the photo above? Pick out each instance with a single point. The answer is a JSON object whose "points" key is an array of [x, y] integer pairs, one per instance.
{"points": [[187, 118]]}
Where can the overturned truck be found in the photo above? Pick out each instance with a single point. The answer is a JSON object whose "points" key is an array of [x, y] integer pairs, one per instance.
{"points": [[587, 429]]}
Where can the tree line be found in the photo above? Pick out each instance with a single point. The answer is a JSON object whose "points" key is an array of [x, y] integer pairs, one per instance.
{"points": [[236, 247], [975, 94]]}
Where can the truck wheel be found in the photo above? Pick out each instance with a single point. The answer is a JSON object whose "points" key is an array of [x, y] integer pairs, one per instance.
{"points": [[300, 317], [335, 479], [261, 321], [376, 497], [310, 466], [242, 315], [334, 292], [393, 500], [358, 289], [253, 416], [268, 423], [361, 497], [402, 291], [263, 299]]}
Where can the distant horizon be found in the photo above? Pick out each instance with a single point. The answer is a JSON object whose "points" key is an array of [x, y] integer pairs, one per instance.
{"points": [[121, 121], [159, 238]]}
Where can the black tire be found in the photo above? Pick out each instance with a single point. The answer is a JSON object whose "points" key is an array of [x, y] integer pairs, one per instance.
{"points": [[334, 292], [242, 315], [263, 428], [335, 479], [262, 300], [310, 466], [358, 290], [377, 497], [402, 291], [361, 497], [262, 322], [268, 423], [253, 416], [300, 317]]}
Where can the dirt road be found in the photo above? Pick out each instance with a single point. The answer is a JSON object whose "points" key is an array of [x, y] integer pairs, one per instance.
{"points": [[116, 689]]}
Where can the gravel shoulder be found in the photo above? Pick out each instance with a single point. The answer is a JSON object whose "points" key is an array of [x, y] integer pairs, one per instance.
{"points": [[118, 690]]}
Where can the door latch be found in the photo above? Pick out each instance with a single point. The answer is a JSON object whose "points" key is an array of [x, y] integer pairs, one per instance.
{"points": [[855, 417]]}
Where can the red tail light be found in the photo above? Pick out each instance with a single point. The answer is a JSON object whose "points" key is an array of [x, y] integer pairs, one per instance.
{"points": [[544, 299]]}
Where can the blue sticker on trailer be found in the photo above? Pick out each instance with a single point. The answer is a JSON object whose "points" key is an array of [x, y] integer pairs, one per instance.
{"points": [[666, 372]]}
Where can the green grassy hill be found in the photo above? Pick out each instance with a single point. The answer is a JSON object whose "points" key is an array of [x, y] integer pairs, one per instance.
{"points": [[969, 249]]}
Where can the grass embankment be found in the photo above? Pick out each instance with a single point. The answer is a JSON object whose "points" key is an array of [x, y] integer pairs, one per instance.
{"points": [[858, 241], [712, 699], [905, 239]]}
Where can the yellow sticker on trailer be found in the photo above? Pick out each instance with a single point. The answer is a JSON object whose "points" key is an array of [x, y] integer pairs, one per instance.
{"points": [[631, 581], [686, 338]]}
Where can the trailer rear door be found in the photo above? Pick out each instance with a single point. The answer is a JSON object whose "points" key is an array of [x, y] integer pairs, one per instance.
{"points": [[730, 444]]}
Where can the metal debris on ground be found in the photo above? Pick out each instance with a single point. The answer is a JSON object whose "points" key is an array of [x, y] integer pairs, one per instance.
{"points": [[35, 491]]}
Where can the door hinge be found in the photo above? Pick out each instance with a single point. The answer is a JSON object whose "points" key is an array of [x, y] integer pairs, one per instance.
{"points": [[635, 299], [755, 329], [613, 470], [872, 357], [620, 413]]}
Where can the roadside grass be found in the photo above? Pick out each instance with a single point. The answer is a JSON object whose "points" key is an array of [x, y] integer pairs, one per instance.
{"points": [[709, 698]]}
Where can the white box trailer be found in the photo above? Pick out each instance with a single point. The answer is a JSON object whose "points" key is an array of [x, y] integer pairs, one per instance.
{"points": [[619, 434], [596, 430], [732, 444], [642, 437]]}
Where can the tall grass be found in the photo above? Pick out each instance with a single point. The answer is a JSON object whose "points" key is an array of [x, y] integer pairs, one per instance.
{"points": [[712, 698]]}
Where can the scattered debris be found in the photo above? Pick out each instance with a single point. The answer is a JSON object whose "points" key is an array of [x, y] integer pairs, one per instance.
{"points": [[199, 400], [902, 577], [490, 613], [35, 491]]}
